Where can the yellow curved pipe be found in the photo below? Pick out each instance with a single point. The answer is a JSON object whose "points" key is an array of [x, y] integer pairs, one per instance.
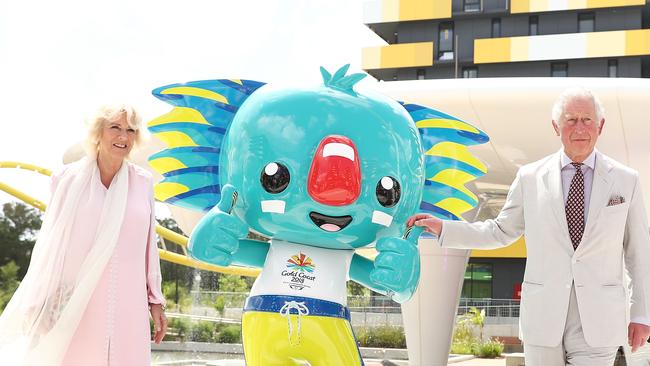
{"points": [[162, 231]]}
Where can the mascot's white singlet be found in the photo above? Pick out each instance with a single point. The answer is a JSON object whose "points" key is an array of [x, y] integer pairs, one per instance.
{"points": [[301, 270]]}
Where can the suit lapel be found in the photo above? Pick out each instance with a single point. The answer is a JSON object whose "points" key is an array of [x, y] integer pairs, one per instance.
{"points": [[600, 189], [553, 183]]}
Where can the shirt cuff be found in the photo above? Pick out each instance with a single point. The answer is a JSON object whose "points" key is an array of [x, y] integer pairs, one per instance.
{"points": [[641, 320]]}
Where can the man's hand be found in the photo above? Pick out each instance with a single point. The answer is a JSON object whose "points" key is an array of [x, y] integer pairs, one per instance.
{"points": [[637, 335], [159, 322], [431, 224]]}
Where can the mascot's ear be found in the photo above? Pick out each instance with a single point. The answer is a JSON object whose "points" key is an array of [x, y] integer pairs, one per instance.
{"points": [[449, 164], [193, 132]]}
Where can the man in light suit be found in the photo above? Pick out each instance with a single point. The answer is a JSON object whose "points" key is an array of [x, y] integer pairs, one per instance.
{"points": [[584, 222]]}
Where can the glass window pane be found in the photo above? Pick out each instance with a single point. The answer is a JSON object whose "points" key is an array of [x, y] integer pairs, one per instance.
{"points": [[478, 281], [471, 5], [612, 68], [559, 69], [446, 41], [586, 22], [470, 72], [532, 25], [496, 27]]}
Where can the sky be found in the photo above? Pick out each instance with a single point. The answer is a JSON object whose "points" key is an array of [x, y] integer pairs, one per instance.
{"points": [[60, 60]]}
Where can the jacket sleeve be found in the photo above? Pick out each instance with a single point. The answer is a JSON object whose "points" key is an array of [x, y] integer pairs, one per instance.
{"points": [[152, 265], [489, 234], [636, 243]]}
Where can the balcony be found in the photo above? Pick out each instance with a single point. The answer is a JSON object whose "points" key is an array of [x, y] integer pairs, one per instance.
{"points": [[563, 46], [533, 6], [398, 55], [386, 11]]}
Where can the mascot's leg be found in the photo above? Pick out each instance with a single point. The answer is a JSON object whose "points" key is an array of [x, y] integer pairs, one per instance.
{"points": [[290, 330]]}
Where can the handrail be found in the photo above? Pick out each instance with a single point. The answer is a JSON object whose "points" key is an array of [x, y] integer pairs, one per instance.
{"points": [[165, 233]]}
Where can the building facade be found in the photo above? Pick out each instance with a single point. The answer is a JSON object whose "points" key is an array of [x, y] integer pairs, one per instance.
{"points": [[441, 39], [445, 39]]}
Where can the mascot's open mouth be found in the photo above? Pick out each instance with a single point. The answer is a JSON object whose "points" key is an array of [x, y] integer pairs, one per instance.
{"points": [[330, 223]]}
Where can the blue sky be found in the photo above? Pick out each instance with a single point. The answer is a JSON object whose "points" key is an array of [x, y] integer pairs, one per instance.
{"points": [[59, 60]]}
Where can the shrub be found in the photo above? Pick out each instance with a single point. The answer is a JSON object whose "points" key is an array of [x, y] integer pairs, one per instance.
{"points": [[177, 329], [229, 334], [489, 349], [382, 337], [202, 331]]}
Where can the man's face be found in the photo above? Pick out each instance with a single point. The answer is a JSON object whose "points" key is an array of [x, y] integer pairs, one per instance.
{"points": [[578, 128]]}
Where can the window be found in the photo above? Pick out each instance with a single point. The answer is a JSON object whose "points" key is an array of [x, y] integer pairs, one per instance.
{"points": [[421, 74], [532, 25], [478, 281], [559, 69], [471, 5], [585, 22], [612, 68], [446, 41], [496, 27], [470, 72]]}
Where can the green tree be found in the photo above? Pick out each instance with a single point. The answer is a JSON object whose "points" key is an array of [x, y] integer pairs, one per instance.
{"points": [[19, 225], [8, 283]]}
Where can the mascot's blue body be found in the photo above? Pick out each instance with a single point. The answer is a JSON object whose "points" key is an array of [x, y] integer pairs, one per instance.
{"points": [[319, 171]]}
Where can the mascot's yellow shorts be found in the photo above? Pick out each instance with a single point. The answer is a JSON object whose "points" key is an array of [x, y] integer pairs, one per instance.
{"points": [[292, 330]]}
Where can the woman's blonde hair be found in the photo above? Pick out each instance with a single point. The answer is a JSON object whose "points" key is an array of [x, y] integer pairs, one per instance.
{"points": [[108, 113]]}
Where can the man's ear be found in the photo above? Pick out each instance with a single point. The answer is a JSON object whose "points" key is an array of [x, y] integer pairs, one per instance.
{"points": [[556, 128], [602, 124]]}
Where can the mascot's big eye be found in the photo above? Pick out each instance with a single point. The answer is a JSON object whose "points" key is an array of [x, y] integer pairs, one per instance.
{"points": [[275, 177], [388, 191]]}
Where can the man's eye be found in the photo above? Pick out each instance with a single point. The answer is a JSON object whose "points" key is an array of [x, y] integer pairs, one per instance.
{"points": [[115, 127], [130, 130]]}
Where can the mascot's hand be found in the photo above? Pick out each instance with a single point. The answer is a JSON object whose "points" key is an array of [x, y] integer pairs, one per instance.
{"points": [[216, 237], [397, 267]]}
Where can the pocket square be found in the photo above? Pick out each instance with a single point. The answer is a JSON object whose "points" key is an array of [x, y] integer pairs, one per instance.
{"points": [[615, 200]]}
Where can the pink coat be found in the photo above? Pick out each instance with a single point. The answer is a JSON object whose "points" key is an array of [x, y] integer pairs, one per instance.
{"points": [[114, 329]]}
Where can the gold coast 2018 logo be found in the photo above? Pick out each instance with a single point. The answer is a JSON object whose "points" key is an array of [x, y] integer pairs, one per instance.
{"points": [[299, 272]]}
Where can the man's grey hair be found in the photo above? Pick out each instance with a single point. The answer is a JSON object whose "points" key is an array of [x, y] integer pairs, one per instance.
{"points": [[573, 93]]}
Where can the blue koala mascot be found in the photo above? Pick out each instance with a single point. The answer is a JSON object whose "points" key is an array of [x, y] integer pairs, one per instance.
{"points": [[321, 172]]}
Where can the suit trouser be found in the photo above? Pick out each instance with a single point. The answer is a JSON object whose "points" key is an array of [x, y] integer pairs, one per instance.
{"points": [[573, 350]]}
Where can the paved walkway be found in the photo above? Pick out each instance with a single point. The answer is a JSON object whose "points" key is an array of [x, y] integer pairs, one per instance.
{"points": [[481, 362]]}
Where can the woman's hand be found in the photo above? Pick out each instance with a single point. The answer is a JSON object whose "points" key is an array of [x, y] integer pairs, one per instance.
{"points": [[159, 321]]}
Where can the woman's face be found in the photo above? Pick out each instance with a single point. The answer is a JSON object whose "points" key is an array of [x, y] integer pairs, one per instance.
{"points": [[117, 138]]}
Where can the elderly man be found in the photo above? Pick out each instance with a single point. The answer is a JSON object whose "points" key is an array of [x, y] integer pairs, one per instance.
{"points": [[583, 217]]}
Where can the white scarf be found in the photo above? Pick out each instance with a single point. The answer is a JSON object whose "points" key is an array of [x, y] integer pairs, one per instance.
{"points": [[40, 319]]}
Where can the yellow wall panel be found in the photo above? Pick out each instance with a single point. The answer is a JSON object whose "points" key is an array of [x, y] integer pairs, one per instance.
{"points": [[407, 55], [390, 10], [606, 44], [424, 9], [519, 6], [519, 47], [371, 58], [516, 250], [492, 50], [532, 6], [576, 4], [612, 3], [398, 55], [637, 42]]}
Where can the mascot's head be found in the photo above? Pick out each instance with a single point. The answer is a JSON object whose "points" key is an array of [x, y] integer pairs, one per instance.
{"points": [[324, 166]]}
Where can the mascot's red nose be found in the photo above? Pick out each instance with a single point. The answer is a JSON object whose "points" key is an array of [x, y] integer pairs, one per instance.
{"points": [[335, 173]]}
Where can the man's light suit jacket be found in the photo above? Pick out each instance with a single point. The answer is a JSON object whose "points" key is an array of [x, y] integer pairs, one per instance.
{"points": [[615, 237]]}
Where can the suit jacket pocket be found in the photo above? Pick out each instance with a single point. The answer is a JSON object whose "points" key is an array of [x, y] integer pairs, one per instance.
{"points": [[615, 209]]}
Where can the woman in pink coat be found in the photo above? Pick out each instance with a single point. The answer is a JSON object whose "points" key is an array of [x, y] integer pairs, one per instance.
{"points": [[94, 276]]}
